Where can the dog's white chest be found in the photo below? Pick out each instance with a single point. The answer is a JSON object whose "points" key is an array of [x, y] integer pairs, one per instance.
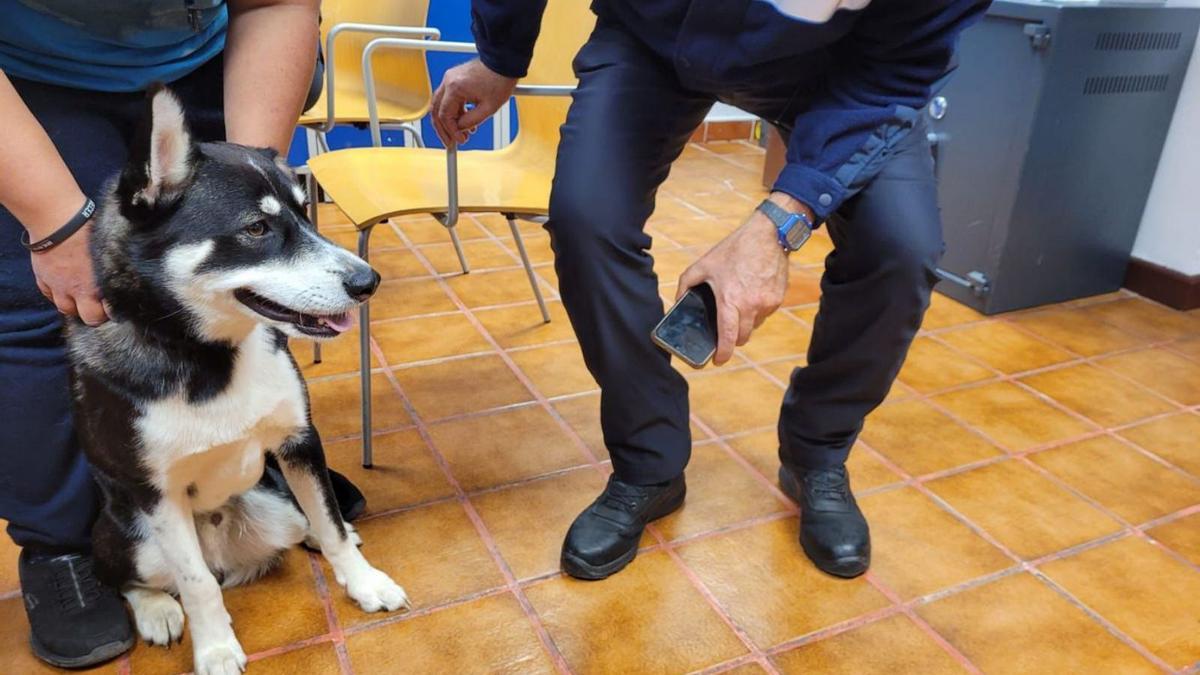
{"points": [[215, 447]]}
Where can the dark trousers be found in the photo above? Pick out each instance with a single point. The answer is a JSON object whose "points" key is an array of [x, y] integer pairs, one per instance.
{"points": [[630, 119], [46, 489]]}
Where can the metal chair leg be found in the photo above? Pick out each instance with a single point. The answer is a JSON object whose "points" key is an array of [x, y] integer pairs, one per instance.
{"points": [[364, 357], [533, 279], [311, 187], [462, 255]]}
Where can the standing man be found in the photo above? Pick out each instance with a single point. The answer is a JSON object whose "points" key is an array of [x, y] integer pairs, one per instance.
{"points": [[72, 76], [844, 81]]}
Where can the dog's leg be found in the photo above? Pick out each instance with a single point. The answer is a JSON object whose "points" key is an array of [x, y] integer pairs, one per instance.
{"points": [[215, 649], [303, 464], [158, 616]]}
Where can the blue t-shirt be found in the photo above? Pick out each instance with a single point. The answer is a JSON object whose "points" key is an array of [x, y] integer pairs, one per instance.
{"points": [[109, 46]]}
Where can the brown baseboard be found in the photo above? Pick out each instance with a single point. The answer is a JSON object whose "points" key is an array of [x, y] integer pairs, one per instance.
{"points": [[724, 130], [1161, 284]]}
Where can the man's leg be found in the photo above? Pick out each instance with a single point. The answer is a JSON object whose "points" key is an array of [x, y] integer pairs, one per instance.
{"points": [[629, 120], [887, 243]]}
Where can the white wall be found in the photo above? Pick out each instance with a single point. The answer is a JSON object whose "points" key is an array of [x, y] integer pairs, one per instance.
{"points": [[1170, 230], [723, 111]]}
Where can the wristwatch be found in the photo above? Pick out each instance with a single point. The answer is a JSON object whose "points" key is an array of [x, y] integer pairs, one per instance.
{"points": [[793, 228]]}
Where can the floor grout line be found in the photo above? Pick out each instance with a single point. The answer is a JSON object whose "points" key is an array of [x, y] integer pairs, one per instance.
{"points": [[415, 614], [1023, 566], [531, 615], [1023, 458], [582, 446], [923, 625], [757, 366], [872, 579], [331, 617], [1029, 567]]}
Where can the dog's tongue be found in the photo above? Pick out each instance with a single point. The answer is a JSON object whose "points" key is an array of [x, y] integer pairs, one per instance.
{"points": [[341, 322]]}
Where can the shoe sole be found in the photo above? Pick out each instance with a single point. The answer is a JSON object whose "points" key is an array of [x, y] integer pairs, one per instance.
{"points": [[579, 569], [97, 656], [844, 568], [356, 509]]}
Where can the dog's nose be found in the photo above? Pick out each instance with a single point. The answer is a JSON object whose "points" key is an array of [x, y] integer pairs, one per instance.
{"points": [[361, 283]]}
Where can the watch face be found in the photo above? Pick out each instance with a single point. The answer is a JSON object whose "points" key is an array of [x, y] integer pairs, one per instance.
{"points": [[798, 235]]}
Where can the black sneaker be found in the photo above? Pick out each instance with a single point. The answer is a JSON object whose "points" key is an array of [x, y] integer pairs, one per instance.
{"points": [[833, 531], [604, 538], [75, 621]]}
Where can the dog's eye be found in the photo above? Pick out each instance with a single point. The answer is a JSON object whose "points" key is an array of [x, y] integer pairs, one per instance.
{"points": [[257, 229]]}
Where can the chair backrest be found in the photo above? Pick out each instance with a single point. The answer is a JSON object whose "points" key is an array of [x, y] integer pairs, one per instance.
{"points": [[565, 27], [399, 74]]}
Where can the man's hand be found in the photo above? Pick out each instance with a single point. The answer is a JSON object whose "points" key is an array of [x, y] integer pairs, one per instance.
{"points": [[748, 273], [473, 83], [64, 274]]}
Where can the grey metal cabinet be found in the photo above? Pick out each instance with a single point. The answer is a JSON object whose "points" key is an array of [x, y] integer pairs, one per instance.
{"points": [[1047, 139]]}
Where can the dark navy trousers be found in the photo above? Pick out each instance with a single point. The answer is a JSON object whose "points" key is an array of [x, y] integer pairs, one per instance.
{"points": [[630, 119], [46, 489]]}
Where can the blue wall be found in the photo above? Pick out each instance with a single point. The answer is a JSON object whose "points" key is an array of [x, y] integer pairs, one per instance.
{"points": [[453, 18]]}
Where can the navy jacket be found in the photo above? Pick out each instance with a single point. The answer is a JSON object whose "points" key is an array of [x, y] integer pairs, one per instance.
{"points": [[859, 77]]}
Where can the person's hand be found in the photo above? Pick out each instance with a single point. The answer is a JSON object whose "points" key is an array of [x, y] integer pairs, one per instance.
{"points": [[472, 83], [64, 275], [748, 273]]}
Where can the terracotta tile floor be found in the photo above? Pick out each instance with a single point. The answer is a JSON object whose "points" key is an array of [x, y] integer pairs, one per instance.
{"points": [[1033, 482]]}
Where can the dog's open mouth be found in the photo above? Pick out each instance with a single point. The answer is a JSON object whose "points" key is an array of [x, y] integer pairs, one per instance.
{"points": [[316, 325]]}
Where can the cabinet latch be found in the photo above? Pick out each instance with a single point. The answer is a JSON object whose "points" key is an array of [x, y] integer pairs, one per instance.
{"points": [[1039, 35], [976, 281]]}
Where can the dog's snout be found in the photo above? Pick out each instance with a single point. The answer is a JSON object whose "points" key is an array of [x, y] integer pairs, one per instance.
{"points": [[361, 283]]}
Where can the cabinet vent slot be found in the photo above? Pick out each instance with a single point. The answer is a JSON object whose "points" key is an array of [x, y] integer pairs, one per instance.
{"points": [[1139, 41], [1099, 85]]}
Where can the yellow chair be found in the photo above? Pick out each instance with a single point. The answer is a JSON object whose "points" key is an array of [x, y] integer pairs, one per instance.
{"points": [[404, 98], [373, 184], [405, 94]]}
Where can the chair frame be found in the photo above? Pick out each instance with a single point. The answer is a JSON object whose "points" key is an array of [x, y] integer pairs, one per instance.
{"points": [[449, 219], [420, 33]]}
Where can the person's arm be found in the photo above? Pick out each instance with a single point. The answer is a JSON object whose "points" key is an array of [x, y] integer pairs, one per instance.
{"points": [[885, 72], [505, 32], [270, 53], [38, 189]]}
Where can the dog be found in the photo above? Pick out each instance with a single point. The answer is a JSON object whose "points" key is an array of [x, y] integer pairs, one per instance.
{"points": [[208, 265]]}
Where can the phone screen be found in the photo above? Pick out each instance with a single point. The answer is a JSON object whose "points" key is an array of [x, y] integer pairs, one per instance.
{"points": [[689, 330]]}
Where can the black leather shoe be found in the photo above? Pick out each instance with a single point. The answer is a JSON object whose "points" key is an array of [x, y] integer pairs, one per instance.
{"points": [[604, 538], [74, 620], [833, 531]]}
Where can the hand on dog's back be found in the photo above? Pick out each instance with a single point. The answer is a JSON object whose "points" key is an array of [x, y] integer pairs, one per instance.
{"points": [[64, 275]]}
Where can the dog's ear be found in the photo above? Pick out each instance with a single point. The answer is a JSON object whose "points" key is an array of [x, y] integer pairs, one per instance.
{"points": [[162, 157]]}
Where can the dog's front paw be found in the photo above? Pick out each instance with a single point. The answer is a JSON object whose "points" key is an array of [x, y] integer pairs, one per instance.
{"points": [[160, 620], [221, 658], [158, 616], [373, 590]]}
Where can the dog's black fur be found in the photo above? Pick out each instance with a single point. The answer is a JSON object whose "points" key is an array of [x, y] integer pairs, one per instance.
{"points": [[208, 264]]}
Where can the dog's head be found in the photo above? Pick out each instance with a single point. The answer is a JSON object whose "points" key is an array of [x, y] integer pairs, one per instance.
{"points": [[216, 233]]}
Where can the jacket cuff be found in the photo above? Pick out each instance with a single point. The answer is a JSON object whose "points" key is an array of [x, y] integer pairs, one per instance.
{"points": [[819, 192], [500, 61]]}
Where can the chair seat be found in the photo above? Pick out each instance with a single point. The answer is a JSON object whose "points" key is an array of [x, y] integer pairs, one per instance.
{"points": [[371, 184], [351, 107]]}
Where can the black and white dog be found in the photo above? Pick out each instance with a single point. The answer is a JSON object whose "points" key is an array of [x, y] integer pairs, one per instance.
{"points": [[208, 264]]}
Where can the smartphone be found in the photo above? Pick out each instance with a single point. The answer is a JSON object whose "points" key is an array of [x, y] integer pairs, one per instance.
{"points": [[689, 330]]}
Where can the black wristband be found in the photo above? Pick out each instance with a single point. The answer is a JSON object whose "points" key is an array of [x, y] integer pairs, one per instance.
{"points": [[63, 233]]}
